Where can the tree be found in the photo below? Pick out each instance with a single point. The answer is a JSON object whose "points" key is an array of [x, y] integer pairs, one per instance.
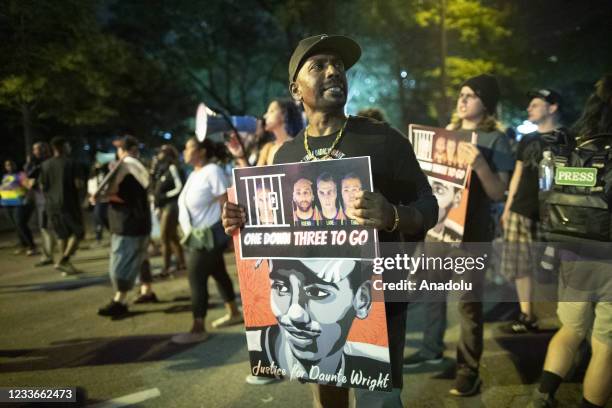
{"points": [[436, 44], [56, 64]]}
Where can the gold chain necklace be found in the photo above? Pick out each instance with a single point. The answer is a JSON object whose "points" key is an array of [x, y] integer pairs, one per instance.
{"points": [[310, 155]]}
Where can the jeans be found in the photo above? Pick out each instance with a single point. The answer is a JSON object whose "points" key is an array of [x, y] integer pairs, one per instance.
{"points": [[378, 399], [20, 215], [435, 326], [127, 256], [471, 322]]}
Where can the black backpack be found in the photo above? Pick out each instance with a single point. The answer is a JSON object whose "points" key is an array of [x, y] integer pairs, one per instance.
{"points": [[578, 208]]}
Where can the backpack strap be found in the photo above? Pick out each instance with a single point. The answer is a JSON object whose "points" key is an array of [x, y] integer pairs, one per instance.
{"points": [[599, 159], [560, 160]]}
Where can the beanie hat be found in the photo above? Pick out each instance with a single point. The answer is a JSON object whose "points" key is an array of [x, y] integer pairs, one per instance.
{"points": [[487, 89]]}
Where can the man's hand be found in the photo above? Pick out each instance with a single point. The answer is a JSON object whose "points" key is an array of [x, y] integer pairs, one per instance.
{"points": [[472, 155], [373, 210], [233, 217]]}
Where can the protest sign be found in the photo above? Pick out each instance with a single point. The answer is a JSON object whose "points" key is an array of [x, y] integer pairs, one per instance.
{"points": [[438, 153], [303, 210], [308, 307]]}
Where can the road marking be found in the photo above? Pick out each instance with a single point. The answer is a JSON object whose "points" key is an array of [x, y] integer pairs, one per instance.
{"points": [[129, 399]]}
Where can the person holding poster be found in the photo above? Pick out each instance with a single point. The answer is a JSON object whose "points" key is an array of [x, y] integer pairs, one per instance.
{"points": [[492, 163], [404, 201]]}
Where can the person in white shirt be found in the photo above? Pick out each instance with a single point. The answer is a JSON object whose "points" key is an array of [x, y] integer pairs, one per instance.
{"points": [[200, 219]]}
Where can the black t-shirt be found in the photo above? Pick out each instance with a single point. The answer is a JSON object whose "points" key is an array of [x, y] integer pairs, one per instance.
{"points": [[396, 172], [133, 217], [529, 152], [58, 178], [496, 150]]}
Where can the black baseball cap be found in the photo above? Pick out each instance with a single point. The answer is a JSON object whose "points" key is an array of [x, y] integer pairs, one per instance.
{"points": [[345, 47], [549, 95]]}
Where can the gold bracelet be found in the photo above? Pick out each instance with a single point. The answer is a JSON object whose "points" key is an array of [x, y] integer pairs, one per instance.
{"points": [[395, 221]]}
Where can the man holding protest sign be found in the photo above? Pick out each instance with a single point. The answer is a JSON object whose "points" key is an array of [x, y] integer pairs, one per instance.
{"points": [[404, 201]]}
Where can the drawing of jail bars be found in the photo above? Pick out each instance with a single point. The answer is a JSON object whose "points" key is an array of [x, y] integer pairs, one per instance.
{"points": [[422, 143], [265, 193]]}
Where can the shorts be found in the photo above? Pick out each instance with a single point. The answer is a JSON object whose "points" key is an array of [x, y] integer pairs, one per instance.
{"points": [[67, 224], [585, 298], [126, 258], [588, 317], [519, 256]]}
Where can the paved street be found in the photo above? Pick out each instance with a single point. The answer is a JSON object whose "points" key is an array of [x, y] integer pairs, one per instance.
{"points": [[52, 336]]}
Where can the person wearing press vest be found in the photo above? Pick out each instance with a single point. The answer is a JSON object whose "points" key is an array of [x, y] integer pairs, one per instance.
{"points": [[585, 277], [521, 213], [404, 201]]}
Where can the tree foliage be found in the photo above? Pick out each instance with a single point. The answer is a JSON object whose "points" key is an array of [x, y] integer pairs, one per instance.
{"points": [[434, 67], [100, 67], [55, 63]]}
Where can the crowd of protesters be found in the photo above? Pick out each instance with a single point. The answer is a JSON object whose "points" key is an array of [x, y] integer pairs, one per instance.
{"points": [[126, 196]]}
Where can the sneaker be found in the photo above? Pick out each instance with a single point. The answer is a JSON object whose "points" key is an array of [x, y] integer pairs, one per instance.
{"points": [[467, 383], [190, 338], [19, 251], [164, 274], [32, 252], [146, 298], [521, 326], [541, 400], [417, 359], [256, 380], [227, 320], [113, 309], [67, 268], [44, 262]]}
